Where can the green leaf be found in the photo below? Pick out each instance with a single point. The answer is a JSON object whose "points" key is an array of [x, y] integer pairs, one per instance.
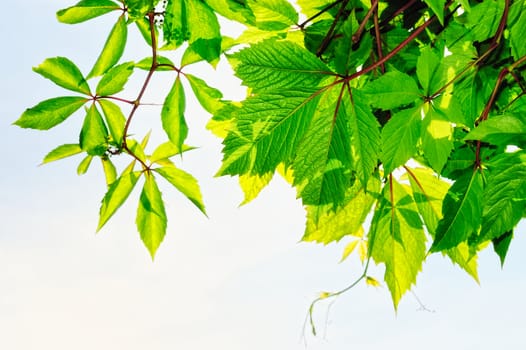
{"points": [[151, 216], [208, 97], [437, 139], [397, 239], [172, 115], [430, 71], [252, 185], [484, 19], [143, 24], [501, 245], [269, 128], [204, 35], [326, 225], [438, 8], [62, 152], [273, 14], [146, 64], [137, 149], [504, 195], [365, 136], [391, 90], [185, 183], [462, 212], [114, 80], [113, 48], [50, 113], [236, 10], [115, 120], [84, 165], [500, 130], [271, 65], [399, 138], [94, 135], [85, 10], [175, 30], [118, 192], [322, 165], [190, 56], [64, 73], [428, 192], [110, 172], [518, 49], [167, 150]]}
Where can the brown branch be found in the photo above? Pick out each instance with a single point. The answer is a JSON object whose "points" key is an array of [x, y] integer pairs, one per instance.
{"points": [[137, 102], [392, 53], [358, 35], [326, 41], [322, 11]]}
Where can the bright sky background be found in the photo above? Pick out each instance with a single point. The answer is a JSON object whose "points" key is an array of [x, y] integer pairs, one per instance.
{"points": [[238, 280]]}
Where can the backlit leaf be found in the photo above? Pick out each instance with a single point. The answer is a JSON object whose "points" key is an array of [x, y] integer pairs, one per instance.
{"points": [[151, 216], [397, 239], [172, 115], [461, 210], [114, 80], [112, 50], [85, 10], [185, 183], [50, 113], [399, 138], [118, 192], [64, 73], [94, 135], [62, 152], [393, 89]]}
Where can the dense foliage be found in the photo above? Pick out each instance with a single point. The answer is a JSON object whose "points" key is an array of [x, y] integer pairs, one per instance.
{"points": [[411, 111]]}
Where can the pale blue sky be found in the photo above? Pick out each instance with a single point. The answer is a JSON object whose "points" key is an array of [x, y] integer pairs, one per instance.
{"points": [[238, 280]]}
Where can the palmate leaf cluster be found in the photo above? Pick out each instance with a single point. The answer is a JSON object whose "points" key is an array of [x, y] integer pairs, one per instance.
{"points": [[401, 124]]}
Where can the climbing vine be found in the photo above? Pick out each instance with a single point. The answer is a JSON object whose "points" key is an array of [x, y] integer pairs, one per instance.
{"points": [[409, 113]]}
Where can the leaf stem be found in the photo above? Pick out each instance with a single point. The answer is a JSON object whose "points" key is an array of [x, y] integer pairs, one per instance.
{"points": [[322, 11]]}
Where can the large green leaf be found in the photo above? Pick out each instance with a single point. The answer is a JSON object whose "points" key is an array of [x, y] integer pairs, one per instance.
{"points": [[462, 212], [428, 192], [117, 194], [437, 139], [322, 166], [114, 80], [50, 113], [365, 136], [273, 14], [63, 72], [94, 134], [393, 89], [85, 10], [399, 138], [268, 129], [397, 239], [112, 50], [484, 19], [151, 215], [237, 10], [61, 152], [504, 196], [185, 183], [271, 65], [501, 130], [326, 225], [172, 115], [430, 71], [203, 27]]}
